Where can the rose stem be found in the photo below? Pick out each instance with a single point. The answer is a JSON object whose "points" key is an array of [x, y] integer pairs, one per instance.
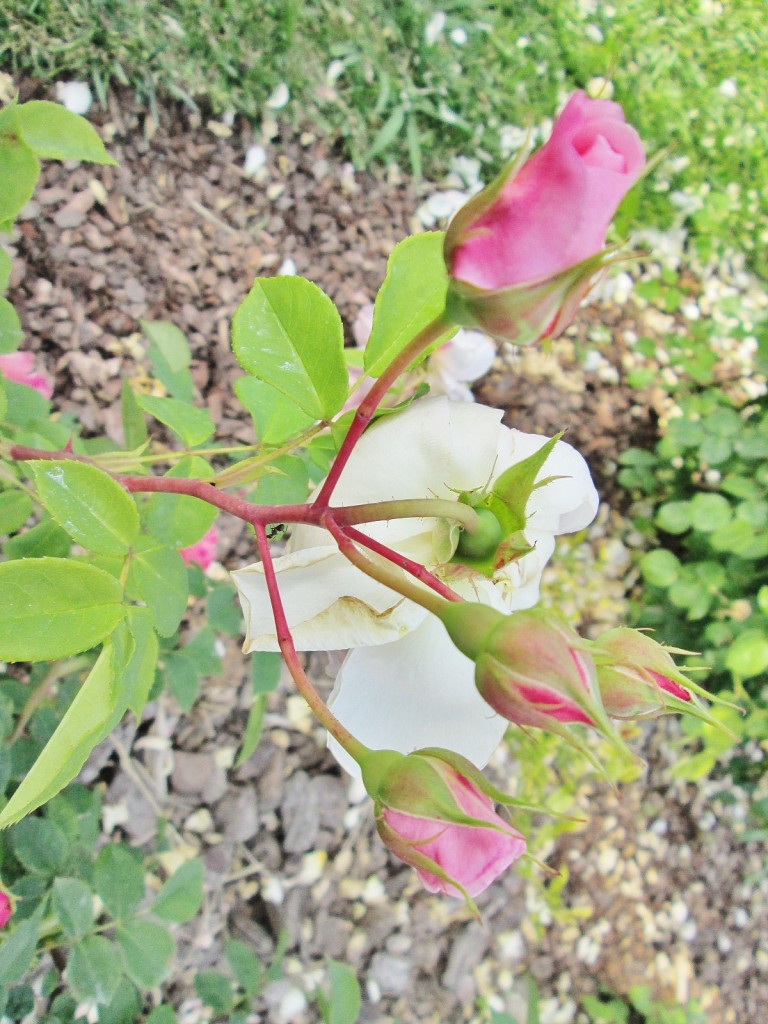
{"points": [[287, 648], [414, 568], [370, 403], [379, 569], [406, 508]]}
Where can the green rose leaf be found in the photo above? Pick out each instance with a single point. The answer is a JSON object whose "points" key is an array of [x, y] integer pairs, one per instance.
{"points": [[181, 896], [275, 418], [288, 333], [136, 649], [134, 424], [86, 502], [10, 328], [90, 717], [170, 357], [5, 271], [46, 538], [158, 577], [147, 949], [412, 295], [19, 171], [191, 424], [178, 519], [15, 510], [93, 970], [52, 131], [55, 607]]}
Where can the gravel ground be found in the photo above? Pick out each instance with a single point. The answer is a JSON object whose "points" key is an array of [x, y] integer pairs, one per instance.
{"points": [[662, 889]]}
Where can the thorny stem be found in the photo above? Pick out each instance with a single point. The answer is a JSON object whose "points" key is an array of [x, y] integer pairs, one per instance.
{"points": [[416, 569], [326, 718], [381, 569], [370, 403]]}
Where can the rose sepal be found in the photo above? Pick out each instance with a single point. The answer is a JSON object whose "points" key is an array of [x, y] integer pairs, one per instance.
{"points": [[413, 784], [475, 776], [525, 313]]}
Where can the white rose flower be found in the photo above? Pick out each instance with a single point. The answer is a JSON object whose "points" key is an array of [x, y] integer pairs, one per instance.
{"points": [[404, 685]]}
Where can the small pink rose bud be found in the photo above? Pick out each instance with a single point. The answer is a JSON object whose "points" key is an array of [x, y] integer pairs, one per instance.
{"points": [[637, 676], [203, 553], [6, 908], [531, 667], [434, 811], [522, 253], [19, 367]]}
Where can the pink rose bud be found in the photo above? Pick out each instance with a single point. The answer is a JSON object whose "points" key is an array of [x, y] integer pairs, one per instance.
{"points": [[637, 676], [6, 908], [19, 367], [434, 810], [522, 253], [203, 553], [531, 667]]}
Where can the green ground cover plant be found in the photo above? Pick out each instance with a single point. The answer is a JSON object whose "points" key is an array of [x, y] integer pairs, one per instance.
{"points": [[435, 79]]}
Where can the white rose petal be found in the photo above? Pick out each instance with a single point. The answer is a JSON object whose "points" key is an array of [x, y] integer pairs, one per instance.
{"points": [[415, 693], [406, 686]]}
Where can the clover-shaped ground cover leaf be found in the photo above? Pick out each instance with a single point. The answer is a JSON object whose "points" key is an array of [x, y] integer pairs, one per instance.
{"points": [[55, 607], [288, 333], [146, 949], [412, 295]]}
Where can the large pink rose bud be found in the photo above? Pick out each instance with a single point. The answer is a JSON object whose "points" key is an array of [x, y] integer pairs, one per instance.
{"points": [[531, 667], [522, 253], [434, 810], [6, 908], [20, 368]]}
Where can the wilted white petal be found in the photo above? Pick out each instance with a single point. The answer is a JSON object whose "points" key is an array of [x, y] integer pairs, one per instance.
{"points": [[75, 96], [417, 692], [434, 27], [279, 97], [255, 159], [329, 604]]}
